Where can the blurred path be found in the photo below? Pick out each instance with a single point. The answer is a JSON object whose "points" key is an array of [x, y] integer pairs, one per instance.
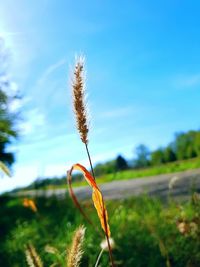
{"points": [[183, 183]]}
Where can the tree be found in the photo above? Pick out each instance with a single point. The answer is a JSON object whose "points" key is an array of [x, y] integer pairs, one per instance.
{"points": [[185, 145], [157, 157], [197, 143], [105, 168], [142, 156], [121, 163], [8, 118], [169, 154]]}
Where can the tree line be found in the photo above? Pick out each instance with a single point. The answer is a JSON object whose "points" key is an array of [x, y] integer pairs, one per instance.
{"points": [[8, 117], [186, 145]]}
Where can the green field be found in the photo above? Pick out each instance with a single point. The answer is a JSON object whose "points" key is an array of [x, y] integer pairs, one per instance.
{"points": [[146, 232], [177, 166]]}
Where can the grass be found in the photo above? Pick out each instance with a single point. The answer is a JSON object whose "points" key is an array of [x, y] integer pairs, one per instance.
{"points": [[146, 232], [177, 166]]}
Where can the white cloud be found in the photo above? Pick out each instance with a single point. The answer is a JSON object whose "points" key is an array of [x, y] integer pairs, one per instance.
{"points": [[14, 87], [56, 170], [15, 105], [23, 176], [8, 86], [34, 119], [18, 103], [5, 34]]}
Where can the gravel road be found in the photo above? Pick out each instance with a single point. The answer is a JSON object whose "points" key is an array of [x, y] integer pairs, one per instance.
{"points": [[181, 186]]}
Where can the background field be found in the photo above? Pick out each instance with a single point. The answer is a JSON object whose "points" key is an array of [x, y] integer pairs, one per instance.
{"points": [[177, 166], [146, 231]]}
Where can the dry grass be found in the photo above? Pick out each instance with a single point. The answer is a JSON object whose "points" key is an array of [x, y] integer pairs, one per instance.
{"points": [[32, 257], [75, 252], [79, 100], [80, 110], [4, 169]]}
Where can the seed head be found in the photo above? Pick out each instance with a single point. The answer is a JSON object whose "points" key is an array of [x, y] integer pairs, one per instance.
{"points": [[74, 254], [79, 100]]}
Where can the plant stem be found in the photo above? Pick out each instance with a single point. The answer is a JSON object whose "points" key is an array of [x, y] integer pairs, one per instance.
{"points": [[110, 251], [107, 237], [88, 153], [99, 257]]}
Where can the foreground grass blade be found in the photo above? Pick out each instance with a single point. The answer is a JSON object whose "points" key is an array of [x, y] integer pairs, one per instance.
{"points": [[4, 169], [96, 196]]}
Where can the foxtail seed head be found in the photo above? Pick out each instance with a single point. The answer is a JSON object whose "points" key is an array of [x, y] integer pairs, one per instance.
{"points": [[32, 257], [74, 254], [79, 100]]}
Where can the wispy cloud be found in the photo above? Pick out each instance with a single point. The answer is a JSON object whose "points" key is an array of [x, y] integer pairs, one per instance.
{"points": [[49, 70], [5, 34], [186, 81], [118, 112]]}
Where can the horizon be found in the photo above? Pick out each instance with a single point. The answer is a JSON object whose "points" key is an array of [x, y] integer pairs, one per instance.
{"points": [[143, 78]]}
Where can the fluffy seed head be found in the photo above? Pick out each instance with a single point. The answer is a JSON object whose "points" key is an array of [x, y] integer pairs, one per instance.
{"points": [[32, 258], [79, 100], [104, 244], [75, 252]]}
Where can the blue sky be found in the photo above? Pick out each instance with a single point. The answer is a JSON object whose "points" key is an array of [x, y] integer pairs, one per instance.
{"points": [[143, 77]]}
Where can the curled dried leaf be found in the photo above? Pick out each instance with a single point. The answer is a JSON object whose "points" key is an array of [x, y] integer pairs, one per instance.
{"points": [[96, 196]]}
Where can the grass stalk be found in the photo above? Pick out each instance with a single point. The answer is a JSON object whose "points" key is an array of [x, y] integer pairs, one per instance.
{"points": [[74, 254], [90, 161], [81, 114], [104, 212], [99, 257]]}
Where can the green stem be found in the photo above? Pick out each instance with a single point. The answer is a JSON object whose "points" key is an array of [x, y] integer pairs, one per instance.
{"points": [[88, 153], [99, 257]]}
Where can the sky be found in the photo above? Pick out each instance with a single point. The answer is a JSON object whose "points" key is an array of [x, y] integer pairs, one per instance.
{"points": [[142, 78]]}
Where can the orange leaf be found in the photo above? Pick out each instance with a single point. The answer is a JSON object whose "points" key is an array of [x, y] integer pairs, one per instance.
{"points": [[96, 197], [29, 203]]}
